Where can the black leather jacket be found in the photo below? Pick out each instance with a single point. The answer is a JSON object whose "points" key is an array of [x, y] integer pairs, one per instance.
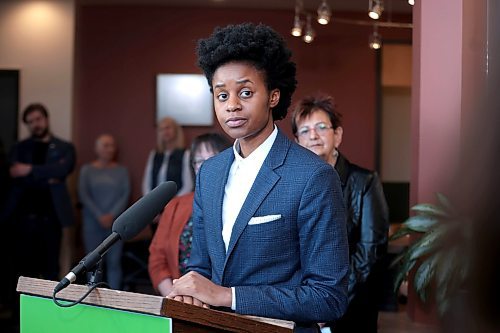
{"points": [[367, 221]]}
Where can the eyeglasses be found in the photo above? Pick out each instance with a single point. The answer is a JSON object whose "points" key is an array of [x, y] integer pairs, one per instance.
{"points": [[319, 128]]}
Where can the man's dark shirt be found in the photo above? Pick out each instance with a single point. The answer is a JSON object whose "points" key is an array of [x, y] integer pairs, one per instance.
{"points": [[37, 200]]}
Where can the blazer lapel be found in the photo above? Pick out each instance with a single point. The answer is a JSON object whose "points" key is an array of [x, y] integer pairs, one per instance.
{"points": [[264, 182], [219, 186]]}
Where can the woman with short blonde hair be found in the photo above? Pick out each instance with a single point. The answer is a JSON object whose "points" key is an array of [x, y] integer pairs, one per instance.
{"points": [[169, 161]]}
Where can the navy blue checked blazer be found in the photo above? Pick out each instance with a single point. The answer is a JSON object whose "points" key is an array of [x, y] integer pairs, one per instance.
{"points": [[294, 267]]}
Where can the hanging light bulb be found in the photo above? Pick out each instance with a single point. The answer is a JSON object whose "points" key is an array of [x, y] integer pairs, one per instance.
{"points": [[309, 34], [375, 42], [375, 9], [297, 25], [411, 2], [324, 13]]}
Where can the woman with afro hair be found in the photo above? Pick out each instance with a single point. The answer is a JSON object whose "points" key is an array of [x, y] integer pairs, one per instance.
{"points": [[267, 240]]}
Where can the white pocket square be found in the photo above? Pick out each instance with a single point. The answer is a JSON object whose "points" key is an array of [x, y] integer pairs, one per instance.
{"points": [[263, 219]]}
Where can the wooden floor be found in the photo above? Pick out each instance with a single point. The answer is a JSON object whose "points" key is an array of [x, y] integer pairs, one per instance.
{"points": [[399, 322]]}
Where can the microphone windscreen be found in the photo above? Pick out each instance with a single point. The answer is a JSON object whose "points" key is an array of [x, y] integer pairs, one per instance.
{"points": [[143, 211]]}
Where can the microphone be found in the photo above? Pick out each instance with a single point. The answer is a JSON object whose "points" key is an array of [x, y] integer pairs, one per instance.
{"points": [[125, 227]]}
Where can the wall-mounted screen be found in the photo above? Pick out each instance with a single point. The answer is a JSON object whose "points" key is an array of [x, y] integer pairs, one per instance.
{"points": [[184, 97]]}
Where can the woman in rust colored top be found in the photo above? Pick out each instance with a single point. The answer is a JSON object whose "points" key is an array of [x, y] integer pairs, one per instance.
{"points": [[171, 245]]}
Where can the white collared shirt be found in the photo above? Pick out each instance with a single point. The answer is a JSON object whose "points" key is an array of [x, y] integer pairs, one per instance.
{"points": [[239, 182]]}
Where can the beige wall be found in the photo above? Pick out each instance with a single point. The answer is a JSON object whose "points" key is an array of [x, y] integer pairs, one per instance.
{"points": [[395, 152], [396, 65], [396, 106], [37, 38]]}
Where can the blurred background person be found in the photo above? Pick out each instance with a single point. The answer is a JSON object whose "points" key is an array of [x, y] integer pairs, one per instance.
{"points": [[7, 278], [4, 176], [171, 245], [317, 126], [169, 161], [39, 202], [104, 190]]}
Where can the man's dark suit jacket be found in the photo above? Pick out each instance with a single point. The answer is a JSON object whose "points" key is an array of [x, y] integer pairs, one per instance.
{"points": [[60, 162]]}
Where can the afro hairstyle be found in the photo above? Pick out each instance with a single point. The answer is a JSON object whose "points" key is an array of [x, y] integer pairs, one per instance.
{"points": [[259, 45]]}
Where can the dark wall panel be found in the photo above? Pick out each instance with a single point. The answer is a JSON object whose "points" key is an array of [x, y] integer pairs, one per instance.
{"points": [[120, 50]]}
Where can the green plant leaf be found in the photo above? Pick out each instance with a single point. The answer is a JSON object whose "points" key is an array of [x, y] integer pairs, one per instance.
{"points": [[440, 254], [403, 231], [398, 259], [441, 293], [421, 223], [443, 306], [444, 202], [428, 243], [450, 276], [423, 276], [417, 252], [447, 264], [464, 268], [403, 271], [430, 210]]}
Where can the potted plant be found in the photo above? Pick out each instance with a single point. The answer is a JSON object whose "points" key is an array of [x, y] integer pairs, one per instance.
{"points": [[439, 253]]}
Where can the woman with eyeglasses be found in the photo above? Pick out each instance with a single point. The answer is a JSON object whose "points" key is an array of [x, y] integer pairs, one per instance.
{"points": [[171, 245], [317, 126]]}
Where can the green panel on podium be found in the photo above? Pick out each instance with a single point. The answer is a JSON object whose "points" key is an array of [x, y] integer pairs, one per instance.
{"points": [[40, 315]]}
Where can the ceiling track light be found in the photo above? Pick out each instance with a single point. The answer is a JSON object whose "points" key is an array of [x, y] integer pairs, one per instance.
{"points": [[324, 13], [375, 9], [375, 41], [309, 34], [297, 24], [411, 2]]}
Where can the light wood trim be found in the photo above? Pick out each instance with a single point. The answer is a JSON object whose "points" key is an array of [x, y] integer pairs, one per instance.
{"points": [[116, 299]]}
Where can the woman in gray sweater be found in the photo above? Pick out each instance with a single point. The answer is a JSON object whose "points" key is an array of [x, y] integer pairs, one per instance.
{"points": [[104, 189]]}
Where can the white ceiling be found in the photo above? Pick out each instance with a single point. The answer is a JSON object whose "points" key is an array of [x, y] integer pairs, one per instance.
{"points": [[396, 6]]}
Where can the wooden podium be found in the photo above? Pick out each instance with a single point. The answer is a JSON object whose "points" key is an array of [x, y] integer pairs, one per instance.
{"points": [[109, 311]]}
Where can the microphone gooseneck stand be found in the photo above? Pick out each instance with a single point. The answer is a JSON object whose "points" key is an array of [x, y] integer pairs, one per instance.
{"points": [[94, 280], [125, 227]]}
